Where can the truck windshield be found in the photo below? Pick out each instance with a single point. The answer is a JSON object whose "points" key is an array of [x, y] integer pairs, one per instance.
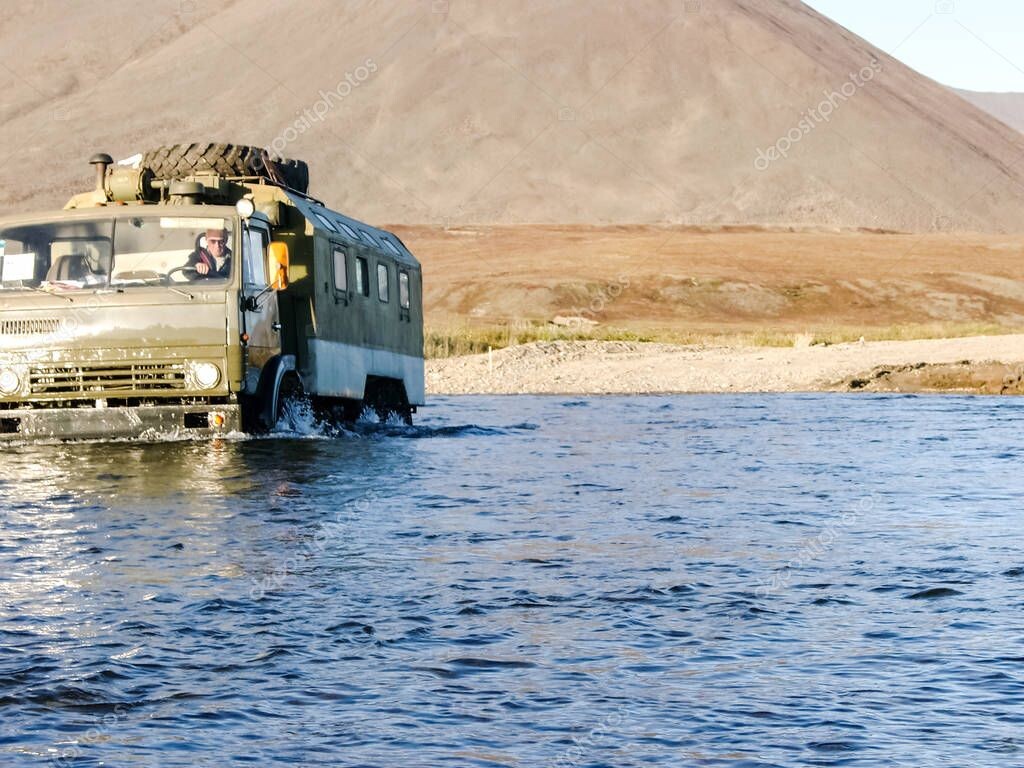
{"points": [[122, 253]]}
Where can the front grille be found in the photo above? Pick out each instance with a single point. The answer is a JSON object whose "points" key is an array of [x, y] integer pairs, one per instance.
{"points": [[46, 325], [104, 378]]}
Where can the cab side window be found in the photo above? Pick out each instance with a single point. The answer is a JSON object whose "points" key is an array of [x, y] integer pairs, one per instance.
{"points": [[340, 270], [255, 247], [383, 288], [403, 290], [362, 276]]}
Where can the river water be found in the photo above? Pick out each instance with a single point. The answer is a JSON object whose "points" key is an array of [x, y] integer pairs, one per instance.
{"points": [[700, 580]]}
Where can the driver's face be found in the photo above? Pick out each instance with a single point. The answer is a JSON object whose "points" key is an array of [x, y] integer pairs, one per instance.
{"points": [[217, 242]]}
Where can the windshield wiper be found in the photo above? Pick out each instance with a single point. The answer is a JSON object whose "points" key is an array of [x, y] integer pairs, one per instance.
{"points": [[49, 292], [180, 292]]}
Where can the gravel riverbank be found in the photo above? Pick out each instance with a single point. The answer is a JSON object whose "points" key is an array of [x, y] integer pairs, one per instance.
{"points": [[984, 364]]}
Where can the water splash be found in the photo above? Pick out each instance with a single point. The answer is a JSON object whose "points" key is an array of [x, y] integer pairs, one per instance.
{"points": [[299, 420]]}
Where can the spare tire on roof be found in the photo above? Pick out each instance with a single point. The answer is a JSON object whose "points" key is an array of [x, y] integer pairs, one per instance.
{"points": [[180, 160]]}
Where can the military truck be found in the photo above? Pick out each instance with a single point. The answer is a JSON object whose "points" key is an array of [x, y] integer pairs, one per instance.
{"points": [[200, 290]]}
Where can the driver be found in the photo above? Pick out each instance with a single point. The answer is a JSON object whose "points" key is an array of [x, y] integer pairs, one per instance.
{"points": [[213, 260]]}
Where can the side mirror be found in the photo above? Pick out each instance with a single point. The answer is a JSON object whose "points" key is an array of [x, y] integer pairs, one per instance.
{"points": [[279, 265]]}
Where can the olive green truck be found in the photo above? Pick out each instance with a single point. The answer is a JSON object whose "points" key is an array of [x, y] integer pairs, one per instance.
{"points": [[199, 290]]}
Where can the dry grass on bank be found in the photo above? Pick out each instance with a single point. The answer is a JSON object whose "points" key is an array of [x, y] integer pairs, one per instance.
{"points": [[442, 343]]}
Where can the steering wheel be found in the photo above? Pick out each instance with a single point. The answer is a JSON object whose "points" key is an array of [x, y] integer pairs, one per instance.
{"points": [[167, 277]]}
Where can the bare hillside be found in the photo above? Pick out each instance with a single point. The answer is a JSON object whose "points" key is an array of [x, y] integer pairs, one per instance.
{"points": [[566, 111], [1008, 107]]}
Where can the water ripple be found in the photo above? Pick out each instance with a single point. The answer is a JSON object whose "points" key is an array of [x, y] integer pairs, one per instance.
{"points": [[709, 580]]}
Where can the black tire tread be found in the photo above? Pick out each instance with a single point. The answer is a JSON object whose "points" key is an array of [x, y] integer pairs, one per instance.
{"points": [[179, 160]]}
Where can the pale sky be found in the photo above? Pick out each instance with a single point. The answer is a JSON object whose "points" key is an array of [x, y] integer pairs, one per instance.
{"points": [[972, 44]]}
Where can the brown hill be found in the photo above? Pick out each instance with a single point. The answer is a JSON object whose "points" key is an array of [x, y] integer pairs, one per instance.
{"points": [[565, 111], [1008, 107]]}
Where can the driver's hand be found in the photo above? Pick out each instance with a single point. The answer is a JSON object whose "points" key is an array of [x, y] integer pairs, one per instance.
{"points": [[203, 269]]}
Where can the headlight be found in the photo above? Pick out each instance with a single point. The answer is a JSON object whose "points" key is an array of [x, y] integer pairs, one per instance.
{"points": [[10, 384], [206, 375]]}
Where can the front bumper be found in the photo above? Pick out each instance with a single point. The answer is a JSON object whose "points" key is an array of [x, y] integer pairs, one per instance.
{"points": [[156, 422]]}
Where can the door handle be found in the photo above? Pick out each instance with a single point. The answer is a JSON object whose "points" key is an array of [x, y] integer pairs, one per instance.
{"points": [[275, 327]]}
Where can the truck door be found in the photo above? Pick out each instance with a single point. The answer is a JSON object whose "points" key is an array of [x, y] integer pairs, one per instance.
{"points": [[260, 315]]}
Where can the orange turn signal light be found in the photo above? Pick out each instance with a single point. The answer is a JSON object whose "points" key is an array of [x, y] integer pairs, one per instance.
{"points": [[278, 253]]}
